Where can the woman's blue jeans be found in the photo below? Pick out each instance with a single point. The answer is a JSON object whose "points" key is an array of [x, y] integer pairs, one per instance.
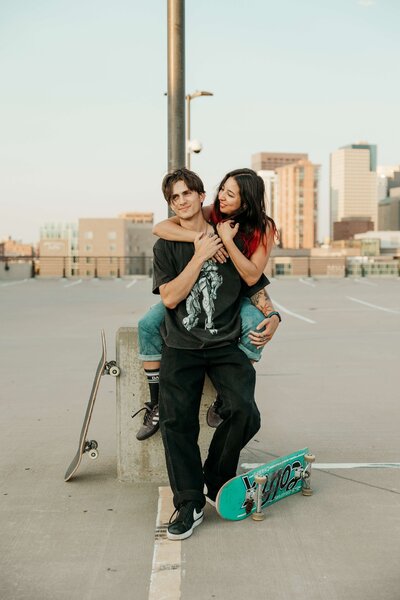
{"points": [[150, 340]]}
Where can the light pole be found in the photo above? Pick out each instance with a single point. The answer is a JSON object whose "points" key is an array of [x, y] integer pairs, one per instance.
{"points": [[176, 84], [190, 97]]}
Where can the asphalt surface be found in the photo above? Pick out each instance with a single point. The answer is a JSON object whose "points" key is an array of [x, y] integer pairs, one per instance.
{"points": [[328, 380]]}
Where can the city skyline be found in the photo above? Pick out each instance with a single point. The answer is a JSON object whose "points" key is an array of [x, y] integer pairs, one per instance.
{"points": [[83, 112]]}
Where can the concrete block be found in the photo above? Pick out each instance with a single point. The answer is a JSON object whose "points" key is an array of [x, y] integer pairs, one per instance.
{"points": [[144, 461]]}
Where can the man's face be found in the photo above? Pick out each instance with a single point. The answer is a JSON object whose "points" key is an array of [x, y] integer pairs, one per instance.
{"points": [[184, 202]]}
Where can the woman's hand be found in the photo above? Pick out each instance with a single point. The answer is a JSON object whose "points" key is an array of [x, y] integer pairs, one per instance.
{"points": [[227, 230], [221, 256]]}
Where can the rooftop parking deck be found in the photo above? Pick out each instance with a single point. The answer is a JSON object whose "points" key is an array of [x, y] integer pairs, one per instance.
{"points": [[328, 380]]}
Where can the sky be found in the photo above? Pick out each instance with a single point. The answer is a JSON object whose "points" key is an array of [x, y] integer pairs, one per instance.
{"points": [[83, 116]]}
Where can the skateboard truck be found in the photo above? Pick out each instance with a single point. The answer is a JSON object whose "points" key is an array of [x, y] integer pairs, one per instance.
{"points": [[306, 475], [111, 368], [260, 482], [91, 447]]}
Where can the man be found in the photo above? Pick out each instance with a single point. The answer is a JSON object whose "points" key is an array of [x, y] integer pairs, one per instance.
{"points": [[200, 333]]}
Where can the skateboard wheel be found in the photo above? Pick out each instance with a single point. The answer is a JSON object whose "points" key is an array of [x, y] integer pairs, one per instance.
{"points": [[93, 454], [310, 458], [114, 371], [93, 444], [307, 491], [258, 516]]}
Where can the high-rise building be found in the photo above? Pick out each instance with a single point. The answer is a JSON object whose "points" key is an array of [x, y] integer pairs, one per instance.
{"points": [[389, 207], [297, 201], [270, 179], [354, 183], [269, 161]]}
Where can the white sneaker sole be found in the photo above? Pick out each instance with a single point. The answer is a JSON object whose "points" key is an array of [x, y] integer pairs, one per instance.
{"points": [[188, 533]]}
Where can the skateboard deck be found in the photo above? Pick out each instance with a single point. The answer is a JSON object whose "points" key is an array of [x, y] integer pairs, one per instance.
{"points": [[103, 368], [248, 493]]}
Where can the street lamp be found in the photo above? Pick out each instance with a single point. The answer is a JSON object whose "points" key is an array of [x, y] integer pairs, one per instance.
{"points": [[190, 97]]}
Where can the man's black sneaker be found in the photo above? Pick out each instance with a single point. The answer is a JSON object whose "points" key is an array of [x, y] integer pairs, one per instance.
{"points": [[150, 421], [213, 417], [188, 516]]}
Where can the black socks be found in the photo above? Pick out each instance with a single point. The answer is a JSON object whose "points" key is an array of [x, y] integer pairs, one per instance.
{"points": [[153, 377]]}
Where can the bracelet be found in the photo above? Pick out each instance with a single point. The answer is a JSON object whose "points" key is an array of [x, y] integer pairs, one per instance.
{"points": [[274, 312]]}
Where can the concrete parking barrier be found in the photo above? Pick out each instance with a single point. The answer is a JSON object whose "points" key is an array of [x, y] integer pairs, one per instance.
{"points": [[144, 461]]}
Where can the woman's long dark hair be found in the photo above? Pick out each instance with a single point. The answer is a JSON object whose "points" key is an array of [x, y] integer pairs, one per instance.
{"points": [[254, 223]]}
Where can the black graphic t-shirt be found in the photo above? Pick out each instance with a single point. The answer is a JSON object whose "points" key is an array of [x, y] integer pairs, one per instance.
{"points": [[210, 315]]}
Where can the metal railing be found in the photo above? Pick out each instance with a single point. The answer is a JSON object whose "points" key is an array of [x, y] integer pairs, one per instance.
{"points": [[20, 267]]}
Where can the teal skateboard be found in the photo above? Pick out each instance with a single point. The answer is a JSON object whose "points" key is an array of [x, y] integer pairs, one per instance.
{"points": [[251, 492]]}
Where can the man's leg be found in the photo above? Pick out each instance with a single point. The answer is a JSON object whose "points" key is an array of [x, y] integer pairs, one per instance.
{"points": [[181, 384], [182, 379], [234, 379], [250, 317]]}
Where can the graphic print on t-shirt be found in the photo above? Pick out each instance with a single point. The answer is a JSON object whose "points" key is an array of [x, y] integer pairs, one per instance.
{"points": [[203, 294]]}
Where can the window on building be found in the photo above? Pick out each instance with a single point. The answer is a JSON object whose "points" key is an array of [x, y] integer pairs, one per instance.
{"points": [[112, 247], [88, 248], [88, 235], [112, 235]]}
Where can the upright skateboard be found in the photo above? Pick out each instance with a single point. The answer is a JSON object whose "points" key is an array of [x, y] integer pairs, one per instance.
{"points": [[249, 493], [90, 446]]}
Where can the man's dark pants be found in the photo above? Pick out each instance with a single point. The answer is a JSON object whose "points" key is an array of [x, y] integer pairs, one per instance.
{"points": [[182, 376]]}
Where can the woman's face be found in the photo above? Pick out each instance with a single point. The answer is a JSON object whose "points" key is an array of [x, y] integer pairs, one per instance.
{"points": [[229, 197]]}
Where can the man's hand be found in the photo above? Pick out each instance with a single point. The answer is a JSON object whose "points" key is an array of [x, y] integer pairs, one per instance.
{"points": [[259, 339], [206, 246]]}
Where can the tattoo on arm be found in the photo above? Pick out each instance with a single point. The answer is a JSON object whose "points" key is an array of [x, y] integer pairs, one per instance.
{"points": [[262, 301]]}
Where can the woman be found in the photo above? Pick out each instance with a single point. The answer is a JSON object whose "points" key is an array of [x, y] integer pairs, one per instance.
{"points": [[238, 213]]}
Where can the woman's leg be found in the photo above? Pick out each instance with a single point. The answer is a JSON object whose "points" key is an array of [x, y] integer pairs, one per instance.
{"points": [[150, 340], [250, 317], [150, 347]]}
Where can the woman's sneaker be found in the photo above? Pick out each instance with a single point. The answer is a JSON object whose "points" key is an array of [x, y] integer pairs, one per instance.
{"points": [[188, 516], [213, 417], [150, 421]]}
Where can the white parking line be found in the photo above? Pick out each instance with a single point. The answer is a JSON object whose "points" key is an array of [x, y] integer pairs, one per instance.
{"points": [[14, 282], [165, 580], [389, 310], [306, 282], [73, 283], [365, 282], [292, 314], [131, 283], [323, 466]]}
